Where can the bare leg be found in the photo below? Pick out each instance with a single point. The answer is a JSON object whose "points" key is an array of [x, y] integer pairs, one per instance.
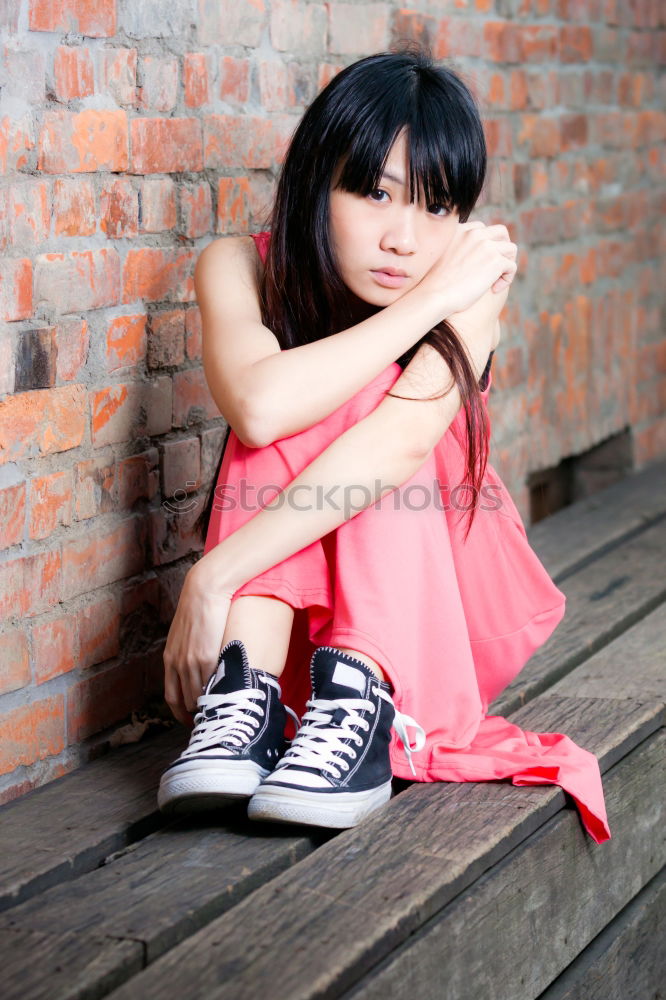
{"points": [[264, 625]]}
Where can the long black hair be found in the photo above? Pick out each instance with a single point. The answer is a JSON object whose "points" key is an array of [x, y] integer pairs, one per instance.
{"points": [[353, 122]]}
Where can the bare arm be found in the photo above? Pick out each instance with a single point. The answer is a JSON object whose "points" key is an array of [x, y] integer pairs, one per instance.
{"points": [[266, 393], [359, 467], [371, 458]]}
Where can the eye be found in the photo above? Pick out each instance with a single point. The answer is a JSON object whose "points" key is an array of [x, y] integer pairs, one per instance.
{"points": [[379, 191], [433, 209]]}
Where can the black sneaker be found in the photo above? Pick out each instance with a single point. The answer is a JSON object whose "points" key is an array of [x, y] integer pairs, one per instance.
{"points": [[337, 769], [237, 740]]}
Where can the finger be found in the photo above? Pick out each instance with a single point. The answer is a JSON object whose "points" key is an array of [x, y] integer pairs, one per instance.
{"points": [[194, 689]]}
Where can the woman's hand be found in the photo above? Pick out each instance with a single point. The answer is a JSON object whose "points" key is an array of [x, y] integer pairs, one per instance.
{"points": [[477, 259], [193, 644]]}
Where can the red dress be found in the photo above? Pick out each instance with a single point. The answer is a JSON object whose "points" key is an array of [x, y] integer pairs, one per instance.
{"points": [[451, 622]]}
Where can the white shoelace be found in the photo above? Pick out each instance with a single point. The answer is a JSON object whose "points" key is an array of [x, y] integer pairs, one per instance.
{"points": [[315, 744], [235, 718]]}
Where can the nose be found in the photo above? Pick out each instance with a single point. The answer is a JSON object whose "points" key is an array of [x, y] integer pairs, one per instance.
{"points": [[400, 234]]}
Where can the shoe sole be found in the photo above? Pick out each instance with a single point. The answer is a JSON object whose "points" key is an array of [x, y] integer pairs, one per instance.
{"points": [[279, 804], [193, 788]]}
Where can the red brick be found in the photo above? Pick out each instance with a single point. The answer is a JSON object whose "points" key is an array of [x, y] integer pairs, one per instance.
{"points": [[104, 698], [15, 288], [575, 43], [159, 91], [212, 439], [166, 339], [12, 514], [16, 141], [95, 18], [196, 209], [181, 469], [458, 37], [355, 29], [413, 25], [240, 23], [325, 73], [127, 410], [196, 79], [234, 75], [50, 502], [73, 73], [166, 145], [117, 74], [54, 648], [95, 487], [152, 275], [157, 204], [126, 340], [138, 478], [72, 340], [28, 209], [15, 659], [192, 399], [274, 89], [539, 136], [573, 132], [301, 27], [32, 732], [540, 225], [235, 141], [82, 141], [74, 211], [193, 334], [97, 557], [233, 205], [42, 422], [172, 534], [79, 280], [119, 209], [99, 631], [30, 585], [538, 43]]}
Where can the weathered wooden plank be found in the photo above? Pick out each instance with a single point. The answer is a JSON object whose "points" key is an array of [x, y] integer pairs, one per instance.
{"points": [[344, 908], [540, 906], [38, 966], [636, 662], [627, 960], [69, 825], [603, 601], [568, 539], [167, 886], [123, 783]]}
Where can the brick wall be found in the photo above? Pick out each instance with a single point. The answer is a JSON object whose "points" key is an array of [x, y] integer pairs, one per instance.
{"points": [[133, 133]]}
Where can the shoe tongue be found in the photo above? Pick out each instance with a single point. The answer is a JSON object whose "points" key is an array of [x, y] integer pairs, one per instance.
{"points": [[338, 675], [233, 669]]}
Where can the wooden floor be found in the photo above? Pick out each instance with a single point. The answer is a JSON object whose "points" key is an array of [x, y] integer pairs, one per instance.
{"points": [[484, 891]]}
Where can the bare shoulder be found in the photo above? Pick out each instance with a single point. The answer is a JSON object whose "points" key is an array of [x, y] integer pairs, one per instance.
{"points": [[229, 251], [227, 275]]}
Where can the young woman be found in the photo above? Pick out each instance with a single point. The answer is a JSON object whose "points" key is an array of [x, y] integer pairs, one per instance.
{"points": [[341, 534]]}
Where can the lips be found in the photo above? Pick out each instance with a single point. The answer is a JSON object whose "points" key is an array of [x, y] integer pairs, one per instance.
{"points": [[392, 270], [389, 279]]}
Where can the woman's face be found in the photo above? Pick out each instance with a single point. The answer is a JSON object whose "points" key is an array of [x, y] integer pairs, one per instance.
{"points": [[376, 235]]}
